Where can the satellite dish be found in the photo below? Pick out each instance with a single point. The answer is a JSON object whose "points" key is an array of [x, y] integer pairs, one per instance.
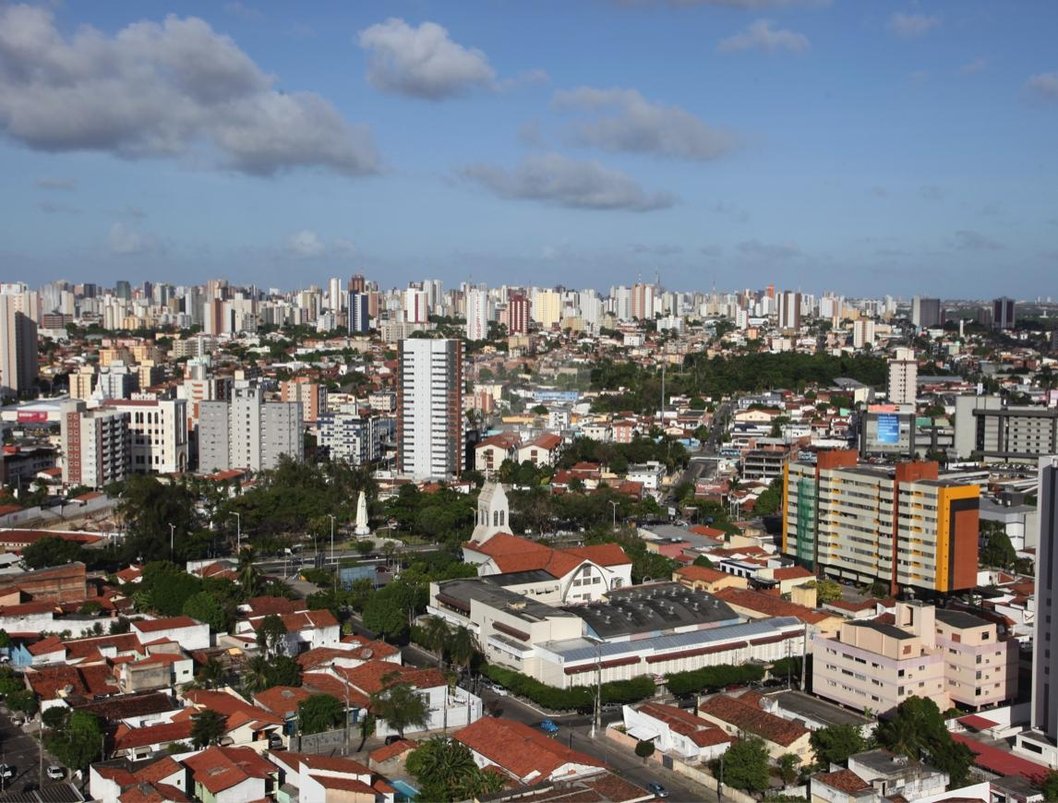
{"points": [[367, 652]]}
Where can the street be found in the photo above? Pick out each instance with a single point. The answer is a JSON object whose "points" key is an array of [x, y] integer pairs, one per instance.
{"points": [[20, 750]]}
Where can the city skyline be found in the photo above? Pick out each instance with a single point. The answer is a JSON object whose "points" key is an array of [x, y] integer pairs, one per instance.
{"points": [[739, 143]]}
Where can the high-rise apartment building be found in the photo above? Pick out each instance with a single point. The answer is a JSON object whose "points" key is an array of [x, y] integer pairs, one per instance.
{"points": [[416, 305], [159, 434], [1045, 643], [477, 314], [96, 445], [998, 434], [430, 408], [547, 308], [903, 527], [18, 348], [643, 302], [789, 310], [311, 395], [516, 316], [926, 313], [903, 377], [248, 432], [359, 312], [1003, 313]]}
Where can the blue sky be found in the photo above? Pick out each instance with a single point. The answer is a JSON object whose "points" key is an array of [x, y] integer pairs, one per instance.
{"points": [[865, 148]]}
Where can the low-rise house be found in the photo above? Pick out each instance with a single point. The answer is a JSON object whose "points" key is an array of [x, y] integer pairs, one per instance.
{"points": [[763, 605], [305, 630], [542, 450], [325, 779], [231, 775], [702, 578], [676, 732], [185, 631], [245, 724], [137, 743], [892, 774], [744, 715], [161, 780], [524, 753]]}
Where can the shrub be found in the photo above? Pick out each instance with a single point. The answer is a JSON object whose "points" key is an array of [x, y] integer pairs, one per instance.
{"points": [[578, 698], [644, 749], [712, 678]]}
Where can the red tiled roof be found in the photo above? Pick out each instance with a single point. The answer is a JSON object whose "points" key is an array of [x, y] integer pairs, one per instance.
{"points": [[1000, 761], [769, 604], [126, 738], [750, 718], [47, 645], [511, 553], [220, 768], [842, 780], [702, 574], [791, 573], [373, 676], [389, 751], [88, 681], [520, 749], [281, 700], [263, 606], [343, 784], [698, 730]]}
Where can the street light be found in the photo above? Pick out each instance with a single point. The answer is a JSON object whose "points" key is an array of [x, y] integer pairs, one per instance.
{"points": [[172, 539], [238, 532], [613, 504]]}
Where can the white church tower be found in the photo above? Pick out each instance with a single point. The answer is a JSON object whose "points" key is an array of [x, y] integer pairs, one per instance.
{"points": [[493, 513]]}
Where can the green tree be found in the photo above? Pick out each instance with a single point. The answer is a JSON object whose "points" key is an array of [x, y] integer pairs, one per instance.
{"points": [[165, 588], [787, 764], [212, 674], [78, 743], [207, 727], [22, 700], [5, 639], [271, 634], [1049, 786], [997, 551], [916, 728], [827, 591], [205, 607], [461, 647], [770, 500], [435, 632], [52, 551], [746, 765], [401, 706], [320, 712], [644, 748], [835, 743], [446, 771]]}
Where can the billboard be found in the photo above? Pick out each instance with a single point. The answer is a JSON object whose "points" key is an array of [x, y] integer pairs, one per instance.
{"points": [[888, 429], [32, 417]]}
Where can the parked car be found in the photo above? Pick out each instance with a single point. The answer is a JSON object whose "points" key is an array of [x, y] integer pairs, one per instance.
{"points": [[657, 790], [502, 692], [393, 737], [7, 771], [56, 773], [549, 727]]}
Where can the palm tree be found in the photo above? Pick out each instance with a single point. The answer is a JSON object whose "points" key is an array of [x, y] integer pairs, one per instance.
{"points": [[400, 705], [249, 577], [212, 673], [461, 648], [435, 633], [207, 727], [256, 675]]}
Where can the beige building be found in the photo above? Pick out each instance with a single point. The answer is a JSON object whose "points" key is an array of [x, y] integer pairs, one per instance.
{"points": [[945, 656]]}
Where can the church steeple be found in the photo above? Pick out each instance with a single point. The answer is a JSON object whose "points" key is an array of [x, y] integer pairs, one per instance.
{"points": [[493, 514]]}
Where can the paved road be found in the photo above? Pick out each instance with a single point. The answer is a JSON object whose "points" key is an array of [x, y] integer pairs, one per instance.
{"points": [[21, 751]]}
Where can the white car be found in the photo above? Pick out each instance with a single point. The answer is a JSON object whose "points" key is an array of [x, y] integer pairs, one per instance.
{"points": [[56, 773], [7, 772]]}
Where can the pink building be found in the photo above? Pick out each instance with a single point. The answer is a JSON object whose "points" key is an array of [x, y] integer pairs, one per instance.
{"points": [[920, 651]]}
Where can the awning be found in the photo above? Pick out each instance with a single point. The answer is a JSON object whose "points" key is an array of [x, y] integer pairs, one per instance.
{"points": [[643, 733]]}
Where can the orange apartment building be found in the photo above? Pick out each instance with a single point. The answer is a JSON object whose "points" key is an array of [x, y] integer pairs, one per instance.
{"points": [[902, 526]]}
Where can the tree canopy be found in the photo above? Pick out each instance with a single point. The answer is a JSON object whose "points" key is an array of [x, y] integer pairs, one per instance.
{"points": [[916, 729], [78, 742], [746, 765], [446, 771], [320, 712]]}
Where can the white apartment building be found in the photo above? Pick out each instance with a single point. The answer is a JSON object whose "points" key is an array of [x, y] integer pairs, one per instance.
{"points": [[248, 432], [159, 434], [477, 314], [430, 408], [903, 377]]}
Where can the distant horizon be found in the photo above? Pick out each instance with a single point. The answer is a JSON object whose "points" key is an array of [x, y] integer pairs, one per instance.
{"points": [[800, 143]]}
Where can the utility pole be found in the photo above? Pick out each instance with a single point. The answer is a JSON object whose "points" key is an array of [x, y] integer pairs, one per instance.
{"points": [[597, 708], [172, 540], [613, 504], [331, 517]]}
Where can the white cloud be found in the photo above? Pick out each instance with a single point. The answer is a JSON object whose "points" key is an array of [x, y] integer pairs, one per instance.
{"points": [[911, 26], [422, 62], [1044, 84], [763, 35], [306, 244], [560, 181], [637, 125], [163, 90], [124, 240]]}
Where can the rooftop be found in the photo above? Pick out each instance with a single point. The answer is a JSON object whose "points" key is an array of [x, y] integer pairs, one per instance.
{"points": [[653, 608], [459, 593]]}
